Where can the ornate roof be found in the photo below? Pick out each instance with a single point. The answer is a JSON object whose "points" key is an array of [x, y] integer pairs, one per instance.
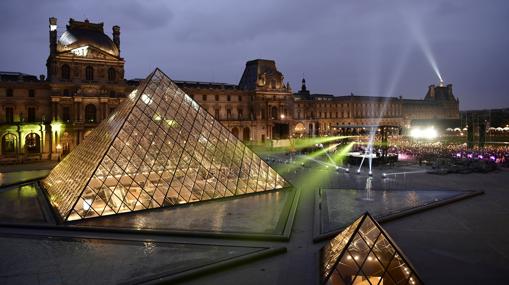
{"points": [[81, 34]]}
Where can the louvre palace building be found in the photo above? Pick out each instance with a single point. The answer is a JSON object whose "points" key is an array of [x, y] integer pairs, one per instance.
{"points": [[45, 117]]}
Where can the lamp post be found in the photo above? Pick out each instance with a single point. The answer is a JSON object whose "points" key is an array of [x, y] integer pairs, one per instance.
{"points": [[59, 149]]}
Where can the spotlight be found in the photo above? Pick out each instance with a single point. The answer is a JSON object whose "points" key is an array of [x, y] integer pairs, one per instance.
{"points": [[358, 171], [347, 170], [384, 175], [370, 173], [337, 168]]}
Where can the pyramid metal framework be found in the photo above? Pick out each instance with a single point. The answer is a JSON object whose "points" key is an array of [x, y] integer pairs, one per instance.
{"points": [[159, 148], [364, 254]]}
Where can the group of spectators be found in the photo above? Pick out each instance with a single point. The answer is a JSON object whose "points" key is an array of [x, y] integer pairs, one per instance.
{"points": [[422, 151]]}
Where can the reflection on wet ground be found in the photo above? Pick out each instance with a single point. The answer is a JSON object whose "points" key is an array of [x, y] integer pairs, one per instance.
{"points": [[341, 206], [263, 213], [53, 260], [8, 178], [23, 204]]}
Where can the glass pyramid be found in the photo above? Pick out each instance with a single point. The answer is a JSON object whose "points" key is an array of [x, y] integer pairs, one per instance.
{"points": [[364, 254], [159, 148]]}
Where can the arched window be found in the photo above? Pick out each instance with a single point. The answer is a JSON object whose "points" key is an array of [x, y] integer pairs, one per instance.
{"points": [[66, 72], [90, 113], [33, 143], [235, 132], [9, 144], [246, 134], [112, 74], [89, 73]]}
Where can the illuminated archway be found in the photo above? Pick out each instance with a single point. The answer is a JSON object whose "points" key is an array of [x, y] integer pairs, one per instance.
{"points": [[299, 128], [33, 143], [9, 144]]}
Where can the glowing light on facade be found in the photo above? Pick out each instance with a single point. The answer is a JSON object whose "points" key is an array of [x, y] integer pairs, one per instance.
{"points": [[81, 51]]}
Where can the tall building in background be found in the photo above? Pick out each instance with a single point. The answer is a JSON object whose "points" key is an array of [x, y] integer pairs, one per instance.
{"points": [[47, 116]]}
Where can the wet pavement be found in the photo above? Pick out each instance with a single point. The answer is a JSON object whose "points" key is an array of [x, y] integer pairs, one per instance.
{"points": [[9, 178], [340, 206], [460, 243], [55, 260], [263, 213], [23, 204]]}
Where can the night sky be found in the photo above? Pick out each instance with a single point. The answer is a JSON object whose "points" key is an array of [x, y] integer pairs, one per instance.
{"points": [[368, 47]]}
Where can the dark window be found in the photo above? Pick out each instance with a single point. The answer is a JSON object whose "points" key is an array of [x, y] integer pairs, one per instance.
{"points": [[66, 92], [217, 97], [216, 111], [9, 115], [66, 72], [89, 73], [112, 109], [33, 143], [240, 98], [66, 115], [90, 113], [8, 144], [228, 114], [240, 113], [112, 94], [204, 97], [31, 93], [112, 74], [31, 114], [228, 98], [274, 112], [8, 92]]}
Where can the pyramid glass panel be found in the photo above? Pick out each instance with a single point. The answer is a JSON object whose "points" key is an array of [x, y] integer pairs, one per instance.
{"points": [[158, 148], [363, 253]]}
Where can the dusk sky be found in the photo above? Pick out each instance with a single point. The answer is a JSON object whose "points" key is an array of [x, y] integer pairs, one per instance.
{"points": [[368, 47]]}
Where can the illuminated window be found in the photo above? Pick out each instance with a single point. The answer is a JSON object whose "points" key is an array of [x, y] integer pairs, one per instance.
{"points": [[89, 73], [66, 72]]}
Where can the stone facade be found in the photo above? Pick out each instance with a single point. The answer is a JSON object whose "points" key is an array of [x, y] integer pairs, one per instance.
{"points": [[46, 117]]}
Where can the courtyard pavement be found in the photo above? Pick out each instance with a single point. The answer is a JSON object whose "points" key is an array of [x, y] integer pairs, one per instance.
{"points": [[465, 242]]}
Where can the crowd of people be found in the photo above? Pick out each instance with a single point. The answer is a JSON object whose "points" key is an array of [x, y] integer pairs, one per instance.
{"points": [[430, 151]]}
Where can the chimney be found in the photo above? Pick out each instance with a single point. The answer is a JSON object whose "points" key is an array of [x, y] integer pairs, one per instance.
{"points": [[116, 36], [52, 35]]}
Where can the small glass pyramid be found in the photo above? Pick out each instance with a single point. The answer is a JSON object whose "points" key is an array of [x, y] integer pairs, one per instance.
{"points": [[364, 254], [159, 148]]}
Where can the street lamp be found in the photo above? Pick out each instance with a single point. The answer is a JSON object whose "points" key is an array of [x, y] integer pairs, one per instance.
{"points": [[59, 149], [282, 116]]}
